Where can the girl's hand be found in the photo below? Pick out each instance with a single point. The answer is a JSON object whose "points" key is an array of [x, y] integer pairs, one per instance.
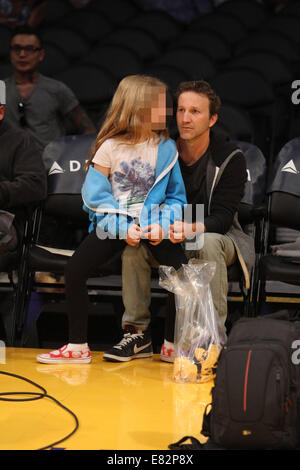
{"points": [[177, 232], [133, 235], [154, 233]]}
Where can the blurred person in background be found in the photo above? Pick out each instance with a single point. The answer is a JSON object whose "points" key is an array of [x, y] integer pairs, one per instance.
{"points": [[40, 105]]}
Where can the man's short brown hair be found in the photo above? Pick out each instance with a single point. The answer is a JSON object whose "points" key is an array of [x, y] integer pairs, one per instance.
{"points": [[203, 88]]}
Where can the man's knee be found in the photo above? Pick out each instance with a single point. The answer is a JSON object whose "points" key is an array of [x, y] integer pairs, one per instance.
{"points": [[217, 246], [213, 244], [135, 255]]}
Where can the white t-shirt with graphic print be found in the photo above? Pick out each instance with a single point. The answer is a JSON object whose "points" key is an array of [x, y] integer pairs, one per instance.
{"points": [[132, 171]]}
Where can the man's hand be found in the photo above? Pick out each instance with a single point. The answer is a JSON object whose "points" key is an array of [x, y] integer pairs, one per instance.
{"points": [[154, 233], [179, 231], [133, 235]]}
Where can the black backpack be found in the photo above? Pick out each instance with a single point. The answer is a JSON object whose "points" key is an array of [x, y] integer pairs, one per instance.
{"points": [[255, 400]]}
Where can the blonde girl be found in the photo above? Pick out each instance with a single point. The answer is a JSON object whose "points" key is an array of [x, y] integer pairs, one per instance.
{"points": [[133, 191]]}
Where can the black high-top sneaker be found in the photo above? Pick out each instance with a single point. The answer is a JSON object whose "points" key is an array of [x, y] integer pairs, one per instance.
{"points": [[134, 345]]}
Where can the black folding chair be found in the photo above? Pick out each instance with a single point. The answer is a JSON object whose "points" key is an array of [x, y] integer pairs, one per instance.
{"points": [[225, 24], [157, 23], [73, 44], [94, 87], [5, 37], [117, 11], [210, 43], [250, 214], [141, 42], [272, 66], [237, 122], [119, 60], [12, 275], [191, 61], [285, 24], [91, 24], [59, 227], [249, 13], [55, 60], [269, 41], [278, 276], [248, 89]]}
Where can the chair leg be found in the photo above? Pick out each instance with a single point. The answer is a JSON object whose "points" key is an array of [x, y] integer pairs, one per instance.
{"points": [[14, 311], [261, 297], [23, 303]]}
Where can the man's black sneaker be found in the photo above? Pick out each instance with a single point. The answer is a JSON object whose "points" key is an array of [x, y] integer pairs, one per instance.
{"points": [[134, 345]]}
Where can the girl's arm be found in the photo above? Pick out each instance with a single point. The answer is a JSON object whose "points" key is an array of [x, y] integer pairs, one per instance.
{"points": [[99, 202], [105, 171], [134, 232]]}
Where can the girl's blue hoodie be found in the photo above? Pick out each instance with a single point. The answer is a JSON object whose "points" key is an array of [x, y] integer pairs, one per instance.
{"points": [[163, 204]]}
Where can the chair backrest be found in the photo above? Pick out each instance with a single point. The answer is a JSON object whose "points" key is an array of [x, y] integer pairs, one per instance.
{"points": [[119, 60], [55, 11], [63, 220], [73, 44], [249, 13], [91, 84], [192, 61], [288, 25], [243, 86], [5, 37], [237, 122], [273, 67], [284, 187], [6, 70], [55, 60], [224, 24], [90, 24], [169, 74], [268, 41], [208, 42], [157, 23], [141, 42], [117, 11], [255, 189], [291, 9], [64, 160]]}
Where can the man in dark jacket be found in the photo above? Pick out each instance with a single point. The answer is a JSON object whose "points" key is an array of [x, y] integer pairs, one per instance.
{"points": [[22, 175], [214, 173]]}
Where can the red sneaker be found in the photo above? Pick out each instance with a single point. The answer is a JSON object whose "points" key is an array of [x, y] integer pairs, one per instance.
{"points": [[66, 356], [167, 353]]}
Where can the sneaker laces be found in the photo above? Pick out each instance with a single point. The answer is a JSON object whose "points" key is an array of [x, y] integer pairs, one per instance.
{"points": [[127, 338]]}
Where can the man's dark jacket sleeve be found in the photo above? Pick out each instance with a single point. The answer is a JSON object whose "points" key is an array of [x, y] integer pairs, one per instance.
{"points": [[22, 172], [227, 196]]}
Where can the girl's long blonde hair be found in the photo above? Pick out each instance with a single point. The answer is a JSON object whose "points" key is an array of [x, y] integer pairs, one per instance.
{"points": [[129, 114]]}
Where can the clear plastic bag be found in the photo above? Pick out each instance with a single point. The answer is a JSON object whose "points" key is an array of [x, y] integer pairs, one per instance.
{"points": [[198, 339]]}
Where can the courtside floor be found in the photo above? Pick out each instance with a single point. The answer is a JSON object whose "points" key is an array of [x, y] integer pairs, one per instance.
{"points": [[130, 406]]}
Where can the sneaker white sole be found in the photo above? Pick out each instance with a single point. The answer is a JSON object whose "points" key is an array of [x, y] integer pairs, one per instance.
{"points": [[166, 359], [112, 358], [43, 360]]}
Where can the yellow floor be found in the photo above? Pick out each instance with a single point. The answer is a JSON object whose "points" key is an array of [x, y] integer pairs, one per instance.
{"points": [[130, 406]]}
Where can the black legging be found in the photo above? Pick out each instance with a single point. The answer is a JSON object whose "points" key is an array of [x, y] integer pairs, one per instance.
{"points": [[90, 255]]}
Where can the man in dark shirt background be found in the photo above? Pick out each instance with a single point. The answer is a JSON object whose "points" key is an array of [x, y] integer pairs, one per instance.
{"points": [[23, 183], [214, 173]]}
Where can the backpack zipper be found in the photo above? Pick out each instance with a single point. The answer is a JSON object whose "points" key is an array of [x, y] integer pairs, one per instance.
{"points": [[246, 380]]}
